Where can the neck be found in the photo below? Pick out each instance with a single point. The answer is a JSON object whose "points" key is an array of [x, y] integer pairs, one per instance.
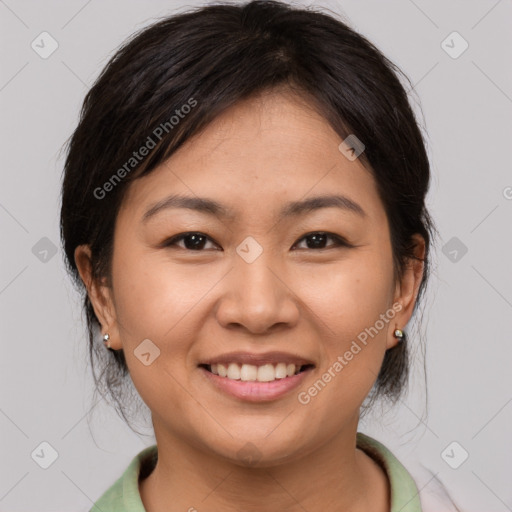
{"points": [[335, 476]]}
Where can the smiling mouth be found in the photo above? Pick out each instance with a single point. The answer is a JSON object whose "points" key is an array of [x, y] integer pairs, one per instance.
{"points": [[253, 373]]}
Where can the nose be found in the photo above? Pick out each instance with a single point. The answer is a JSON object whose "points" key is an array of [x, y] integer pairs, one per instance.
{"points": [[257, 297]]}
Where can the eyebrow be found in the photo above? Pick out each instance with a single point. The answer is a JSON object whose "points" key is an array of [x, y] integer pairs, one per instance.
{"points": [[291, 209]]}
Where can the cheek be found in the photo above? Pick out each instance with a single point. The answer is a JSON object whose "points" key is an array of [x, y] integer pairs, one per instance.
{"points": [[351, 295], [350, 301], [153, 296], [155, 300]]}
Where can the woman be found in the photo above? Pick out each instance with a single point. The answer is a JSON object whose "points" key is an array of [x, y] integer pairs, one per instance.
{"points": [[244, 208]]}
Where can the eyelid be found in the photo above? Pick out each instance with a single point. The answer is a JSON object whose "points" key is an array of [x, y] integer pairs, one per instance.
{"points": [[168, 242], [339, 241]]}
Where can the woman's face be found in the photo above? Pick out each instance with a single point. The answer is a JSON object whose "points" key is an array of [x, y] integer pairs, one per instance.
{"points": [[255, 281]]}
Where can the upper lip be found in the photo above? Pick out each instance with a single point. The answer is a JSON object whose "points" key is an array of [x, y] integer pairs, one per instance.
{"points": [[258, 359]]}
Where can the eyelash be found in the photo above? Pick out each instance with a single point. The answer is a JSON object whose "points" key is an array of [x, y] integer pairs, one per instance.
{"points": [[339, 241]]}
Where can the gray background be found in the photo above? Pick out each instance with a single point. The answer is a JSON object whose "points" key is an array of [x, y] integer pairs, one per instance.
{"points": [[467, 105]]}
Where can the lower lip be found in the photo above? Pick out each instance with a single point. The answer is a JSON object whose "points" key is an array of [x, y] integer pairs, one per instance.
{"points": [[254, 391]]}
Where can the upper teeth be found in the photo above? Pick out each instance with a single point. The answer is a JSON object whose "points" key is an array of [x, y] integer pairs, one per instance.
{"points": [[249, 372]]}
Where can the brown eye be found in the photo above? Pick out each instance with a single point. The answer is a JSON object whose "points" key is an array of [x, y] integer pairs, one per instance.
{"points": [[318, 240], [192, 241]]}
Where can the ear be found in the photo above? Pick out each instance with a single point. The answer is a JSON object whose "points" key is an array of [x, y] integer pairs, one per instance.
{"points": [[99, 294], [407, 289]]}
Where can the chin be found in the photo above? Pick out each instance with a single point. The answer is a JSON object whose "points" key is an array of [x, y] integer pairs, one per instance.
{"points": [[258, 450]]}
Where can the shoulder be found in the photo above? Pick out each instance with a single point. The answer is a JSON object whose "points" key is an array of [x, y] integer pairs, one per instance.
{"points": [[434, 495], [404, 492], [416, 489], [123, 495]]}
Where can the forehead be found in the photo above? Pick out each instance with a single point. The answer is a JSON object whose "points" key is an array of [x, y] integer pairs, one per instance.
{"points": [[259, 154]]}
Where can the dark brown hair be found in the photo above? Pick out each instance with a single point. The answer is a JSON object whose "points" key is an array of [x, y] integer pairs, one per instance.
{"points": [[209, 59]]}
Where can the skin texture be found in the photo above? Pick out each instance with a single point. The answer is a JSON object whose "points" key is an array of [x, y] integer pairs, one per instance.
{"points": [[313, 302]]}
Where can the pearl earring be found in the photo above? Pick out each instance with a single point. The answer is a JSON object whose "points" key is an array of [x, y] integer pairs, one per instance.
{"points": [[106, 340], [399, 334]]}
